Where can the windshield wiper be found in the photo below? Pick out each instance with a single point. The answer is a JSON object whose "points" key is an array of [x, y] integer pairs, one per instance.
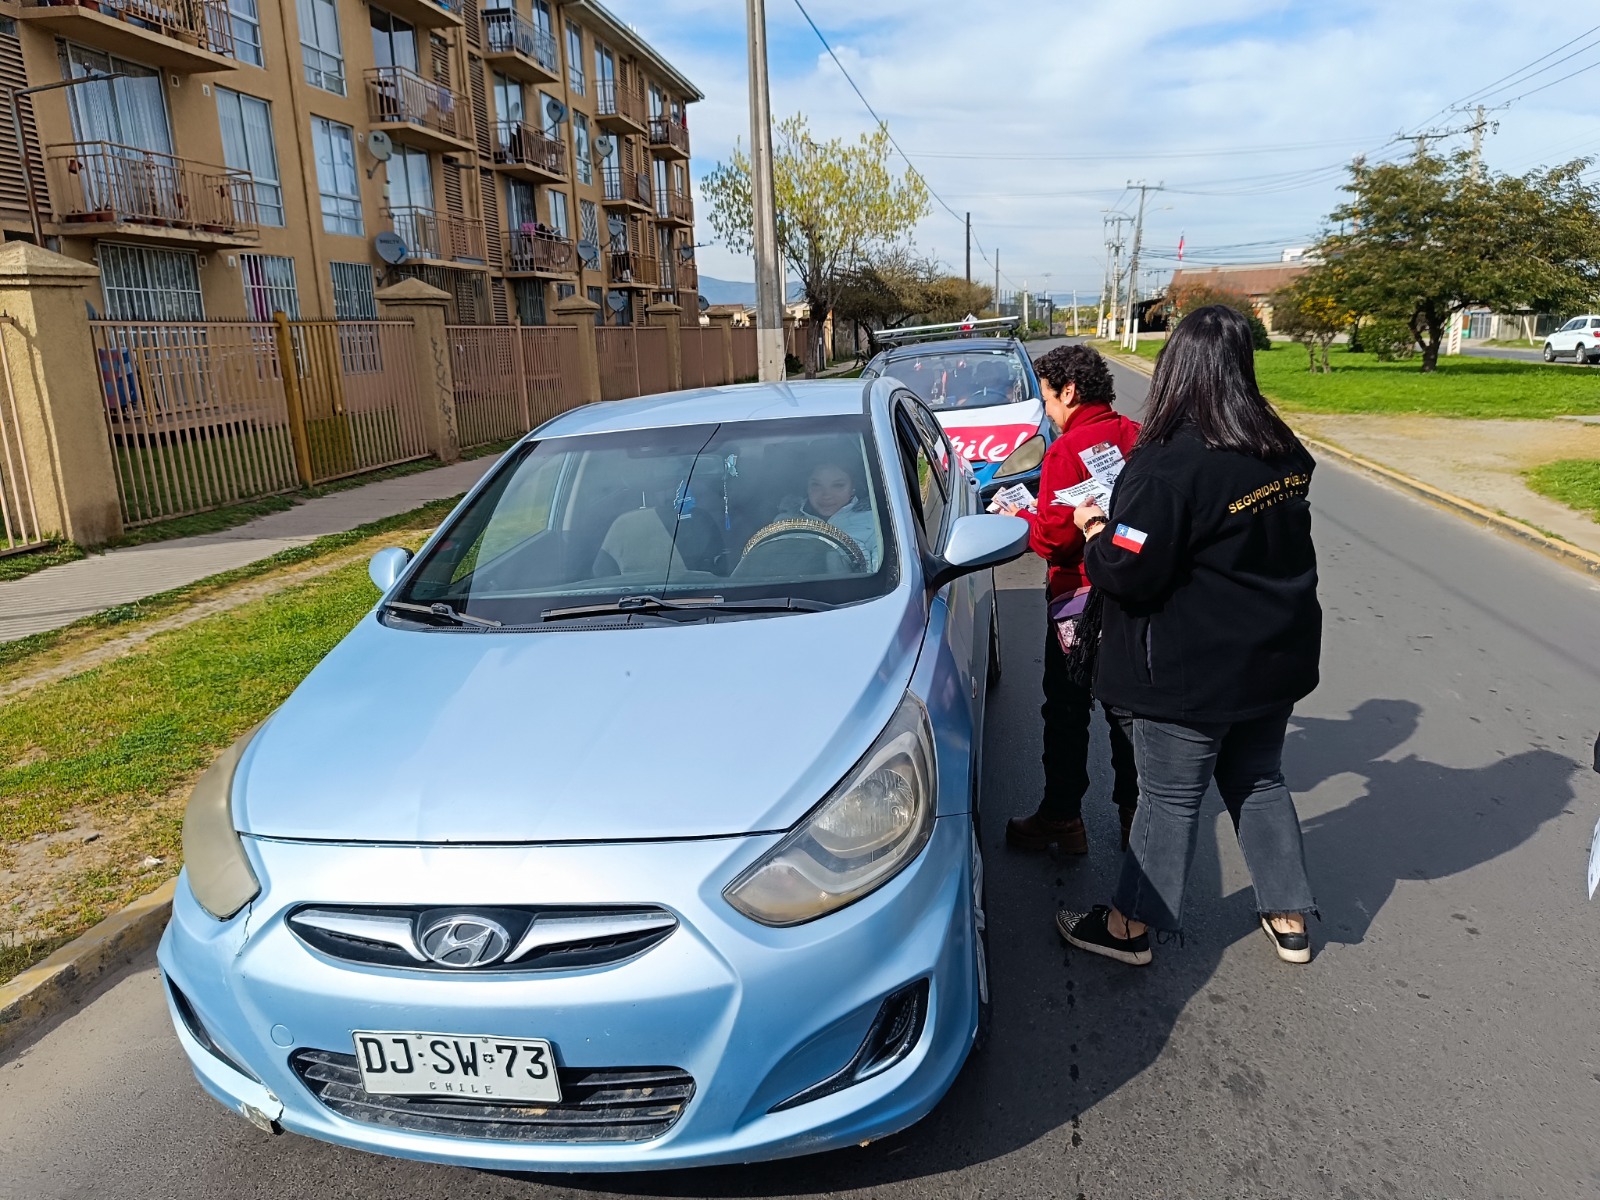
{"points": [[440, 609], [651, 604]]}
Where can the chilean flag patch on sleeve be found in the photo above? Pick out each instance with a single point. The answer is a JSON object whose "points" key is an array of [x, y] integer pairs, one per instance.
{"points": [[1129, 538]]}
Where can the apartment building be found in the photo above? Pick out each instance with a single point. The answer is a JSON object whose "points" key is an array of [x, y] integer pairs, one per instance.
{"points": [[250, 156]]}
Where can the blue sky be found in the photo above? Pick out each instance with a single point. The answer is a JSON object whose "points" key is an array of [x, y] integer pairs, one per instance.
{"points": [[1037, 116]]}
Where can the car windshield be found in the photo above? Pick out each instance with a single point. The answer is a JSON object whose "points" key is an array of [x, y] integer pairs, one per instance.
{"points": [[732, 514], [946, 378]]}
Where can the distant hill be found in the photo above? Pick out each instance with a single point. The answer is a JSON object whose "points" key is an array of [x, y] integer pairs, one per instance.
{"points": [[733, 291]]}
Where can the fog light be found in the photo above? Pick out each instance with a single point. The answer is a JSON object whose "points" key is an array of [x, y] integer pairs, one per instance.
{"points": [[895, 1031]]}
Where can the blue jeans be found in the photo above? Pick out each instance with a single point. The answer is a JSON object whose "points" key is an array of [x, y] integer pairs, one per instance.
{"points": [[1176, 763]]}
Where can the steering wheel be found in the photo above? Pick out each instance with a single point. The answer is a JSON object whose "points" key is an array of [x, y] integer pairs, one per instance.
{"points": [[808, 529]]}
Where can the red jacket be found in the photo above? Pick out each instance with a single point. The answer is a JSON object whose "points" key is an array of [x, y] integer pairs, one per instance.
{"points": [[1054, 537]]}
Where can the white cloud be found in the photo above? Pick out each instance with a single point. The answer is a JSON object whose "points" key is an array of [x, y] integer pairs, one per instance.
{"points": [[1034, 116]]}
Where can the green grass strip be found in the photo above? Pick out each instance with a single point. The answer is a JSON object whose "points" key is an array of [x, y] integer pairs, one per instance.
{"points": [[1574, 482]]}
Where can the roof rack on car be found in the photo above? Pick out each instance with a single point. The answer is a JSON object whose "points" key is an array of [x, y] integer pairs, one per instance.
{"points": [[990, 327]]}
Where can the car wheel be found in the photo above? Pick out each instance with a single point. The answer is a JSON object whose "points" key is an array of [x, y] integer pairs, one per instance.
{"points": [[995, 665], [1549, 352], [980, 937]]}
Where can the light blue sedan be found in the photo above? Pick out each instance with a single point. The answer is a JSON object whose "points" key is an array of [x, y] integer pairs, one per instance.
{"points": [[636, 826]]}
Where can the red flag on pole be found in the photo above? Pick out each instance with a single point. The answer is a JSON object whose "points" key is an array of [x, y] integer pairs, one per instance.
{"points": [[1180, 247]]}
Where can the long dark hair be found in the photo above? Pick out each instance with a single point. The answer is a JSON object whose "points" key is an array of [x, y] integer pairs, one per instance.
{"points": [[1206, 375]]}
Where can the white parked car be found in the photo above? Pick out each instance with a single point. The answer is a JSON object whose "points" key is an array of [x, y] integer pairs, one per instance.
{"points": [[1579, 337]]}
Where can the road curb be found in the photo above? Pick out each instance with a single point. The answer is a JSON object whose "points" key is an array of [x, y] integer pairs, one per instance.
{"points": [[1572, 556], [46, 989]]}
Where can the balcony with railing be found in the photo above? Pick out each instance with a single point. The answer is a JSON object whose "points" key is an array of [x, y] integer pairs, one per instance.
{"points": [[624, 187], [98, 188], [517, 47], [629, 269], [433, 236], [669, 138], [619, 106], [415, 110], [528, 153], [673, 208], [539, 252], [185, 36], [688, 276], [429, 14]]}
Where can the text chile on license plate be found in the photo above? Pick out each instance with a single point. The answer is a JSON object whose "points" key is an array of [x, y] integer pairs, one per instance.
{"points": [[444, 1065]]}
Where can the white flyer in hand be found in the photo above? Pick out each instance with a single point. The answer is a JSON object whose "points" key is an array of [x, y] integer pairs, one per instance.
{"points": [[1104, 462], [1017, 496], [1090, 491]]}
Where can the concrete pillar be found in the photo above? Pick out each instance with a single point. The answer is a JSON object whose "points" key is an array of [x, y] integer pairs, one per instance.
{"points": [[426, 308], [60, 402], [579, 313], [669, 316], [724, 323]]}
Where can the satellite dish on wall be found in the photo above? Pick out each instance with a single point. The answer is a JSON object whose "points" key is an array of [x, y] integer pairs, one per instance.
{"points": [[554, 111], [380, 145], [617, 226], [605, 145], [686, 253], [617, 301], [589, 252], [390, 248], [704, 303]]}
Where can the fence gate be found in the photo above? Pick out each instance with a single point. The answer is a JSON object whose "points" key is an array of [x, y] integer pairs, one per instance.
{"points": [[19, 521]]}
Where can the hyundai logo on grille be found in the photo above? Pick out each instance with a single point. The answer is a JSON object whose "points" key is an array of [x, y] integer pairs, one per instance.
{"points": [[462, 941]]}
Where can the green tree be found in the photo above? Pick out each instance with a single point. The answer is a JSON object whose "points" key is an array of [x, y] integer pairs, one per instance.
{"points": [[1309, 311], [837, 202], [886, 290], [1424, 239], [1186, 297]]}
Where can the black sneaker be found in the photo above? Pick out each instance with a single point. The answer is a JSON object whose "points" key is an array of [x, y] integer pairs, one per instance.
{"points": [[1088, 931], [1291, 947]]}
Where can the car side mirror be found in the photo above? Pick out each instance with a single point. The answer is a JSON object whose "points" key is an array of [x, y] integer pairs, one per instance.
{"points": [[1023, 459], [976, 542], [385, 567]]}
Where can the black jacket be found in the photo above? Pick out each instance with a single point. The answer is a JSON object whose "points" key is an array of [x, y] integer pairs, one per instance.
{"points": [[1210, 583]]}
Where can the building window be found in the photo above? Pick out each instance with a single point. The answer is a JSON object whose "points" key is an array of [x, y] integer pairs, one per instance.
{"points": [[507, 107], [530, 301], [585, 155], [336, 176], [520, 210], [247, 146], [605, 69], [130, 111], [565, 291], [589, 233], [143, 284], [246, 21], [269, 286], [680, 180], [354, 298], [575, 58], [320, 49], [558, 213], [598, 296], [394, 43], [658, 102]]}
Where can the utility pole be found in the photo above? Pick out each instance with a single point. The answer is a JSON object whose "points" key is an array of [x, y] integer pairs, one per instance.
{"points": [[1113, 282], [969, 255], [997, 281], [1074, 312], [1132, 339], [763, 201], [1477, 143]]}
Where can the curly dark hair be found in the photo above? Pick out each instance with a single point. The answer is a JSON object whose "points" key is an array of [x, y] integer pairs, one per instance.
{"points": [[1081, 365]]}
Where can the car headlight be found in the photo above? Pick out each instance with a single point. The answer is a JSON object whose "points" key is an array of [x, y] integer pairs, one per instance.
{"points": [[219, 873], [875, 822]]}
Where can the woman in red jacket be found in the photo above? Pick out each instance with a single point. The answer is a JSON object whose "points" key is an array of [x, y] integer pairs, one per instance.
{"points": [[1078, 394]]}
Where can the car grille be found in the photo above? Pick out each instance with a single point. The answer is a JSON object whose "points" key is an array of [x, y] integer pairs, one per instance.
{"points": [[617, 1104], [534, 938]]}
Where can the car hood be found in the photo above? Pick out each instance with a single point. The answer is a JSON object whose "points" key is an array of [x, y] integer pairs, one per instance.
{"points": [[986, 435], [657, 731]]}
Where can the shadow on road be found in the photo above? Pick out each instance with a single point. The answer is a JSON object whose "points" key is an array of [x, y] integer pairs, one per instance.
{"points": [[1070, 1030]]}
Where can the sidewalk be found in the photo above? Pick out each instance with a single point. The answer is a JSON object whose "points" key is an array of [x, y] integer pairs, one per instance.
{"points": [[60, 595]]}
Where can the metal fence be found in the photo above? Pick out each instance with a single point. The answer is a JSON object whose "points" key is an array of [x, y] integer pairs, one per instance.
{"points": [[201, 414], [358, 395], [19, 521], [746, 359], [510, 379]]}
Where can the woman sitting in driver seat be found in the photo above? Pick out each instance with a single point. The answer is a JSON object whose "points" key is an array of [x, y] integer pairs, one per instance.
{"points": [[832, 496]]}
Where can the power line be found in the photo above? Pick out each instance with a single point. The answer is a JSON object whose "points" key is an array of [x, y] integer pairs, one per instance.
{"points": [[1472, 96], [1217, 153], [884, 125]]}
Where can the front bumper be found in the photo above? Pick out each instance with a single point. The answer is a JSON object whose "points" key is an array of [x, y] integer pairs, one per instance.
{"points": [[754, 1015]]}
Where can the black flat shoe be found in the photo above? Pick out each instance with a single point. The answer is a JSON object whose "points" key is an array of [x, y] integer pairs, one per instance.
{"points": [[1089, 931], [1291, 947]]}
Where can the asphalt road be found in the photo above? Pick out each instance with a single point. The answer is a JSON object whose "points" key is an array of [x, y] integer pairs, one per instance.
{"points": [[1443, 1044]]}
